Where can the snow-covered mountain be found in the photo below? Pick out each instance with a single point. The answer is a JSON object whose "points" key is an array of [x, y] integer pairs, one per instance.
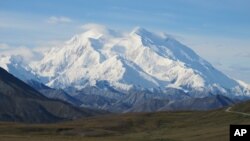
{"points": [[123, 62], [137, 60], [16, 66]]}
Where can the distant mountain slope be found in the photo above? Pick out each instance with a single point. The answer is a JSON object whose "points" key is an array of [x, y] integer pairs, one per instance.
{"points": [[53, 93], [242, 107], [20, 102], [207, 103]]}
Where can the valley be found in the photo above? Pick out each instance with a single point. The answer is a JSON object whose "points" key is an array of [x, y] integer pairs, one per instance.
{"points": [[159, 126]]}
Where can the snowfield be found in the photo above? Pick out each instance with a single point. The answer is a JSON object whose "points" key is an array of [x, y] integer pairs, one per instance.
{"points": [[139, 60]]}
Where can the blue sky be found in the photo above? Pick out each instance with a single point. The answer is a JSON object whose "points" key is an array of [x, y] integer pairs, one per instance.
{"points": [[219, 30]]}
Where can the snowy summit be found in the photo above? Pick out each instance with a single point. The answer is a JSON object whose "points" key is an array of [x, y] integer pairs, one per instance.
{"points": [[138, 60]]}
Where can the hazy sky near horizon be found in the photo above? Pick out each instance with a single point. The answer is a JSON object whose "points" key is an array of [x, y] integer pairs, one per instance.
{"points": [[218, 30]]}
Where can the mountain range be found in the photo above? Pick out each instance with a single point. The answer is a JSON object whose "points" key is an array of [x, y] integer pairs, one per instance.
{"points": [[21, 103], [128, 72]]}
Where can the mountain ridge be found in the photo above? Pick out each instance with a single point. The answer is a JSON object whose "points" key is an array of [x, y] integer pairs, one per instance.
{"points": [[21, 103], [102, 58], [115, 64]]}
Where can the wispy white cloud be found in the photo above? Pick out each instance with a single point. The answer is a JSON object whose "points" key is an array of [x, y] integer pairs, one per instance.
{"points": [[28, 54], [59, 20], [4, 46], [93, 26]]}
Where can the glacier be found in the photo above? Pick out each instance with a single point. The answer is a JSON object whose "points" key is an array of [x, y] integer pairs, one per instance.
{"points": [[137, 60], [121, 62]]}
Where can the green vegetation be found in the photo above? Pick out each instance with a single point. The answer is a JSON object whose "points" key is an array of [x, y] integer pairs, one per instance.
{"points": [[161, 126], [242, 107]]}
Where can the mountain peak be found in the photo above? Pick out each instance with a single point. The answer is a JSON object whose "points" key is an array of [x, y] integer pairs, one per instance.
{"points": [[99, 54], [140, 31], [94, 31], [95, 28]]}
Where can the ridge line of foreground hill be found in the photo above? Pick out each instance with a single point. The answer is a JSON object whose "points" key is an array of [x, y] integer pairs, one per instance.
{"points": [[230, 111]]}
